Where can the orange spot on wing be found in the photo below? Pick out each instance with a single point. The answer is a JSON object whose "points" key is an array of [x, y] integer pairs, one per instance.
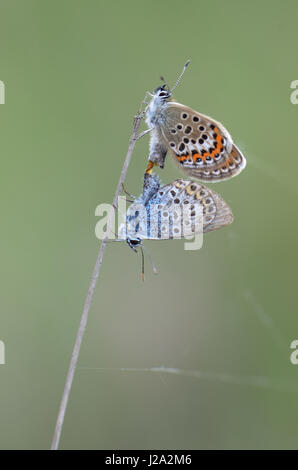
{"points": [[218, 146], [196, 156], [212, 154]]}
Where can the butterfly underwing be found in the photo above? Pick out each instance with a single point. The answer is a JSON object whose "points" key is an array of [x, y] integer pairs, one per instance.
{"points": [[176, 210], [201, 146]]}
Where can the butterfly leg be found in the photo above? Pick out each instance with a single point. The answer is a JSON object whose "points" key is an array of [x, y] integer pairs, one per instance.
{"points": [[147, 95], [125, 199], [128, 194], [145, 102], [139, 136]]}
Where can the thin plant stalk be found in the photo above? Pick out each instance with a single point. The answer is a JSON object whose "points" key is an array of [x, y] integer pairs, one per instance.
{"points": [[77, 346]]}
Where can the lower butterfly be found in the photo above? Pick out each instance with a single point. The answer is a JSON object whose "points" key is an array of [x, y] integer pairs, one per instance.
{"points": [[180, 209]]}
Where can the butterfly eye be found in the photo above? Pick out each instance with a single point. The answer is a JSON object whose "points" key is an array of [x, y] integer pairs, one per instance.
{"points": [[135, 241]]}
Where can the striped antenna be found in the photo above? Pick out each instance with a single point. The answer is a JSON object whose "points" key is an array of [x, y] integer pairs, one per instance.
{"points": [[181, 75]]}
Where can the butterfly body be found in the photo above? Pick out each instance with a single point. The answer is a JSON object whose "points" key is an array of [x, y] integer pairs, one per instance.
{"points": [[133, 243], [202, 147]]}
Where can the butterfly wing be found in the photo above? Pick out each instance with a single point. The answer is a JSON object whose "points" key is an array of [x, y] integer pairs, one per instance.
{"points": [[179, 209], [215, 212], [202, 146]]}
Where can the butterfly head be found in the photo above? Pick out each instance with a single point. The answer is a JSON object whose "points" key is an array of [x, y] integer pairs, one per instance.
{"points": [[134, 243], [162, 93], [160, 98]]}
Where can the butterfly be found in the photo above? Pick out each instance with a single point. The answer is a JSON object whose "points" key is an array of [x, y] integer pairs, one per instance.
{"points": [[203, 148], [176, 210]]}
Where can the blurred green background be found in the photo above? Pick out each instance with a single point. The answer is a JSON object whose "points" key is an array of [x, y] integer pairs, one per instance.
{"points": [[75, 73]]}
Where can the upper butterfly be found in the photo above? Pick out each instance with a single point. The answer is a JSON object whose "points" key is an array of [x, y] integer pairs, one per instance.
{"points": [[202, 146]]}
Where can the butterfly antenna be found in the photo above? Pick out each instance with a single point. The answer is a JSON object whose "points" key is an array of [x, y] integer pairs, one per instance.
{"points": [[164, 80], [151, 261], [180, 76], [143, 264]]}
